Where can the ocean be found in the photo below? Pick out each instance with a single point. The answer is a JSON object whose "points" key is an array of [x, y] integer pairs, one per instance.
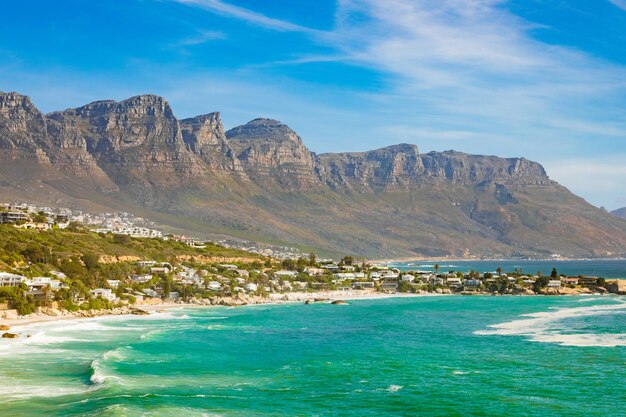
{"points": [[614, 268], [431, 356]]}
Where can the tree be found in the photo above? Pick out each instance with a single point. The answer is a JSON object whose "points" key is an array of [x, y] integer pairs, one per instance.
{"points": [[540, 282], [121, 239], [312, 259], [289, 264], [601, 282], [347, 260], [91, 261], [554, 274], [436, 268], [40, 217], [34, 253], [166, 288], [499, 271]]}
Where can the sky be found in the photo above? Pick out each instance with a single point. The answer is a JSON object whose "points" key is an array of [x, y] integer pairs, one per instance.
{"points": [[542, 79]]}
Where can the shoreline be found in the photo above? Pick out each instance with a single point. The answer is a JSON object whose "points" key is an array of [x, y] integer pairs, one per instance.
{"points": [[455, 259], [17, 324], [20, 325]]}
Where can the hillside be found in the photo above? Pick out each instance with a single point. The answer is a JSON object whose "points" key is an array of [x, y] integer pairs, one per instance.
{"points": [[259, 181], [53, 247], [620, 212]]}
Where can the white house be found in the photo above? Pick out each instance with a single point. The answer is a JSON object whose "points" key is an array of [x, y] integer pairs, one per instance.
{"points": [[141, 278], [554, 283], [453, 282], [285, 274], [105, 293], [11, 280], [408, 278], [251, 287], [113, 283], [214, 286], [314, 272]]}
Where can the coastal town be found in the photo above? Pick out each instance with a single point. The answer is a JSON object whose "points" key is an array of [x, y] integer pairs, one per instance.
{"points": [[36, 282]]}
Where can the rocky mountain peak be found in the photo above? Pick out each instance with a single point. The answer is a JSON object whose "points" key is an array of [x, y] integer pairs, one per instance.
{"points": [[263, 130], [206, 129], [273, 153], [204, 135], [22, 125]]}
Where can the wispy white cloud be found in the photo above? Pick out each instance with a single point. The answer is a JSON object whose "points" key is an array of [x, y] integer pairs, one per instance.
{"points": [[201, 37], [246, 15], [619, 3]]}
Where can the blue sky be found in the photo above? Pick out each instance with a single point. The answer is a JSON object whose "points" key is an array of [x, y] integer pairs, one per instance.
{"points": [[543, 79]]}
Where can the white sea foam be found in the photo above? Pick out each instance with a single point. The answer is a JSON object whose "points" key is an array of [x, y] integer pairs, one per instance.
{"points": [[547, 327], [11, 390], [394, 388], [216, 327], [99, 373]]}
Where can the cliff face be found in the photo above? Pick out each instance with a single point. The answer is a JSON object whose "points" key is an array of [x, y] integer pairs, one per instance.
{"points": [[260, 179], [204, 135], [271, 153], [22, 127]]}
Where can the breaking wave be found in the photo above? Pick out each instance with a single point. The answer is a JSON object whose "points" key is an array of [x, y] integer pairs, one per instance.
{"points": [[547, 327]]}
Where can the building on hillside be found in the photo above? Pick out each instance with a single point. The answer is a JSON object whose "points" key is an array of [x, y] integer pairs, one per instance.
{"points": [[389, 284], [105, 293], [113, 283], [454, 282], [588, 280], [14, 216], [141, 279], [288, 274], [314, 272], [214, 286], [554, 283], [11, 280], [408, 278]]}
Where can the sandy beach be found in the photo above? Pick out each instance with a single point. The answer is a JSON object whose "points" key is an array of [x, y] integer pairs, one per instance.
{"points": [[15, 324]]}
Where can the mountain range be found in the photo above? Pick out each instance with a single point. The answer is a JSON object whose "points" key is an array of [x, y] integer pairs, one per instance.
{"points": [[259, 181]]}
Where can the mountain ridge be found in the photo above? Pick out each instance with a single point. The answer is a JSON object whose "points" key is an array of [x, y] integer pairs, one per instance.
{"points": [[260, 179], [621, 212]]}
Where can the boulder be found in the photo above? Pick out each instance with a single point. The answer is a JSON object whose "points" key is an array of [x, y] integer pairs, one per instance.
{"points": [[10, 336], [617, 286], [4, 327], [306, 302], [339, 302], [139, 312]]}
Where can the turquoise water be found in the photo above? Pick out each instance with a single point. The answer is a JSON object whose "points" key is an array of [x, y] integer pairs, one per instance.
{"points": [[443, 356], [605, 268]]}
